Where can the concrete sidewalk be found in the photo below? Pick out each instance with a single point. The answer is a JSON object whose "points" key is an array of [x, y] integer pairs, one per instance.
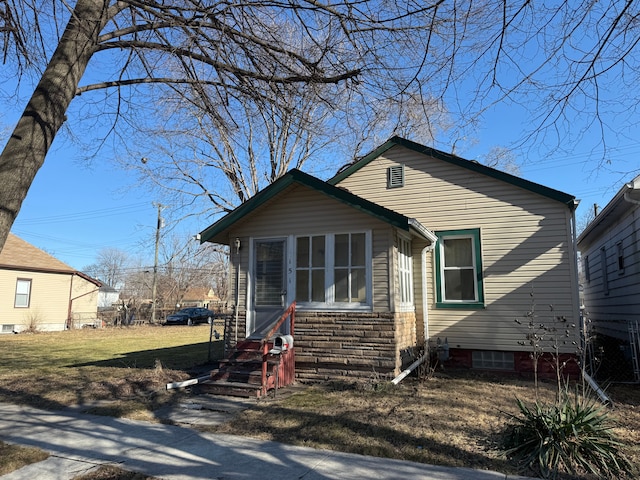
{"points": [[80, 442]]}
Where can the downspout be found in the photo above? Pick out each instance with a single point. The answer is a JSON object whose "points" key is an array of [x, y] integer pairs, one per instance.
{"points": [[425, 305], [237, 246], [425, 300], [425, 316]]}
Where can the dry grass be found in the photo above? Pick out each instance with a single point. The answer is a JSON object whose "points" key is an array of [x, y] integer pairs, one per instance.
{"points": [[112, 473], [115, 371], [453, 420], [13, 457], [450, 418]]}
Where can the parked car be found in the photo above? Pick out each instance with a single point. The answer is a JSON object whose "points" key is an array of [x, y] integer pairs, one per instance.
{"points": [[190, 316]]}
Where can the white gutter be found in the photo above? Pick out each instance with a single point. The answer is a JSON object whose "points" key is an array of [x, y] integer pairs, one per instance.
{"points": [[628, 198], [429, 235], [425, 299]]}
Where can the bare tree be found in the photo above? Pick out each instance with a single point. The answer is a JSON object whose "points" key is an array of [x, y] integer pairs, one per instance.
{"points": [[503, 159], [110, 266], [236, 49], [184, 266], [553, 61]]}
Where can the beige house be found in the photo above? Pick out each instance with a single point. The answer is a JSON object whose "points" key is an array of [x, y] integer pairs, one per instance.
{"points": [[407, 247], [39, 292]]}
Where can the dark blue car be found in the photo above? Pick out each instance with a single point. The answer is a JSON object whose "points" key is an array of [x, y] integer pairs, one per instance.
{"points": [[190, 316]]}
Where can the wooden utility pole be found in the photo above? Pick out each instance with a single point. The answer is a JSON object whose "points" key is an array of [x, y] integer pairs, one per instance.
{"points": [[154, 286]]}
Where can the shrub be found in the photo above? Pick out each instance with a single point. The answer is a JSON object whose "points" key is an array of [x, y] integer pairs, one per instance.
{"points": [[572, 435]]}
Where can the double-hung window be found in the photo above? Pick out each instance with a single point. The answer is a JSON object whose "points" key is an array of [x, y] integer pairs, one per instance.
{"points": [[23, 293], [459, 269], [405, 273], [333, 270]]}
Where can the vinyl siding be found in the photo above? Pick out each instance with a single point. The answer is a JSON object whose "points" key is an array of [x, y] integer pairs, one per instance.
{"points": [[49, 300], [526, 242], [303, 211], [610, 313]]}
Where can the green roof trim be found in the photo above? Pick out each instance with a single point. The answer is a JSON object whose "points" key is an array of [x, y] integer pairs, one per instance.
{"points": [[551, 193], [299, 177]]}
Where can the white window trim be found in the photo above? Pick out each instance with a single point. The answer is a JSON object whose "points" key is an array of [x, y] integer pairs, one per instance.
{"points": [[331, 304], [22, 281], [405, 274], [475, 234]]}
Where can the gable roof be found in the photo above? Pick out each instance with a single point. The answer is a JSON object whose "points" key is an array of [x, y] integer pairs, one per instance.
{"points": [[295, 176], [474, 166], [18, 254], [617, 207]]}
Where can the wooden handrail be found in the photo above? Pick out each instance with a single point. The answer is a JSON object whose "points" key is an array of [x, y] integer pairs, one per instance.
{"points": [[288, 313]]}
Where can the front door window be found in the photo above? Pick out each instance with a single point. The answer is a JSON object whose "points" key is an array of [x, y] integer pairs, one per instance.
{"points": [[269, 283]]}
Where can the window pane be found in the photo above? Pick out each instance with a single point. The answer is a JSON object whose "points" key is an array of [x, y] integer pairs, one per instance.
{"points": [[459, 285], [357, 250], [302, 286], [318, 251], [342, 284], [342, 250], [302, 252], [269, 272], [317, 286], [23, 289], [358, 285], [458, 252]]}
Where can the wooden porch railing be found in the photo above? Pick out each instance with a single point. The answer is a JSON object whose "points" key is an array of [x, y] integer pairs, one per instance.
{"points": [[290, 313]]}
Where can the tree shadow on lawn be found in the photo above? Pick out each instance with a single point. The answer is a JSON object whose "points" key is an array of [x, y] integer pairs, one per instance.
{"points": [[340, 432], [184, 357]]}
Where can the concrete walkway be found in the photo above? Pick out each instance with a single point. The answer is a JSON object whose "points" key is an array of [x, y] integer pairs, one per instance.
{"points": [[79, 442]]}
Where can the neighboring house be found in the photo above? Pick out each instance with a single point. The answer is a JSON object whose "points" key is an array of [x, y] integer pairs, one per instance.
{"points": [[201, 297], [611, 267], [108, 297], [404, 248], [39, 292]]}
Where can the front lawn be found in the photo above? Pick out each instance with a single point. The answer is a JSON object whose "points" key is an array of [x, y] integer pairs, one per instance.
{"points": [[128, 368]]}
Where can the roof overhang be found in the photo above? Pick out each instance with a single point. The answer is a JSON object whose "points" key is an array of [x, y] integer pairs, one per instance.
{"points": [[568, 200], [628, 195], [218, 232]]}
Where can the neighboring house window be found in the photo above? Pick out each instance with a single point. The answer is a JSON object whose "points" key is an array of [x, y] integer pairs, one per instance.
{"points": [[587, 273], [620, 251], [333, 270], [395, 176], [23, 293], [7, 328], [605, 275], [459, 269], [405, 272]]}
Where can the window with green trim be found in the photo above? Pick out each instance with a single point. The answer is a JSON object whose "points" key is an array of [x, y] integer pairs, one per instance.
{"points": [[459, 269]]}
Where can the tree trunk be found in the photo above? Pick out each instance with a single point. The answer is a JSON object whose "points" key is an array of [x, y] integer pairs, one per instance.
{"points": [[43, 116]]}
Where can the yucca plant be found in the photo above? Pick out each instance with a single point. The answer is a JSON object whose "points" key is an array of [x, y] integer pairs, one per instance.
{"points": [[572, 435]]}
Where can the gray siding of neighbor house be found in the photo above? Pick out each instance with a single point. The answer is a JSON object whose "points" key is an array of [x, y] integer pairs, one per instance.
{"points": [[611, 307], [526, 241]]}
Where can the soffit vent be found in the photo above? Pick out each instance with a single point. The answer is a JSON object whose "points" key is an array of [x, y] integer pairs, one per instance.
{"points": [[395, 176]]}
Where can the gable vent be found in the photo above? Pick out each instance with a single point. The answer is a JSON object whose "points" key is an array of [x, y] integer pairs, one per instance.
{"points": [[395, 176]]}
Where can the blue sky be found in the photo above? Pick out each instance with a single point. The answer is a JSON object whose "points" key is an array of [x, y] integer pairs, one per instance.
{"points": [[73, 210]]}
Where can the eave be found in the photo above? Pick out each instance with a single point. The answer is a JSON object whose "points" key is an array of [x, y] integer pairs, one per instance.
{"points": [[565, 198], [215, 232]]}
